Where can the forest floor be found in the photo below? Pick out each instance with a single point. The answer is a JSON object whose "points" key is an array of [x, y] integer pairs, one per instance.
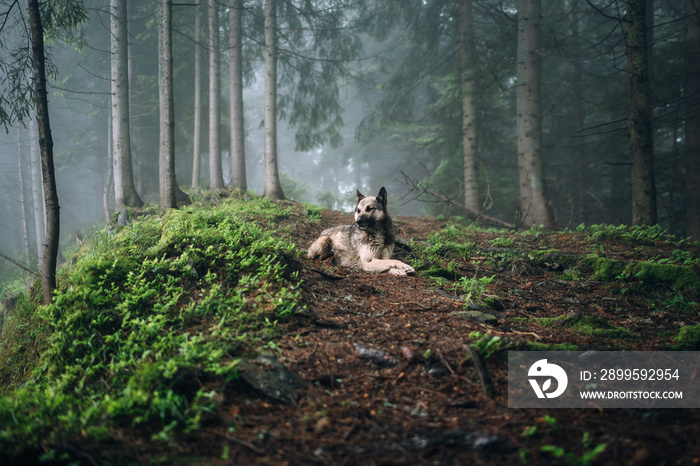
{"points": [[418, 398], [371, 369]]}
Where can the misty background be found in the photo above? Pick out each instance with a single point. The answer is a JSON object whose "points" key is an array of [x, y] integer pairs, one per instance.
{"points": [[401, 114]]}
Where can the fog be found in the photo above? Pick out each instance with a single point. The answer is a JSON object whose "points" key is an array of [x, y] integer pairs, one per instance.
{"points": [[401, 115]]}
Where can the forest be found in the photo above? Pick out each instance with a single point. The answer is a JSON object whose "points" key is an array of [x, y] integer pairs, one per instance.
{"points": [[164, 165]]}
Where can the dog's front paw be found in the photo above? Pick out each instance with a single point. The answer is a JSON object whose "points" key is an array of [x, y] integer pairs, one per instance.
{"points": [[397, 272], [402, 269]]}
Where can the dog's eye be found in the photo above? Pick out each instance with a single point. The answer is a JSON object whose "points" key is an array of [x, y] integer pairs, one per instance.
{"points": [[370, 209]]}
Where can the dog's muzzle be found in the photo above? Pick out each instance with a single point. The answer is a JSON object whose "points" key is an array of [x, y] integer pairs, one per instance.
{"points": [[363, 222]]}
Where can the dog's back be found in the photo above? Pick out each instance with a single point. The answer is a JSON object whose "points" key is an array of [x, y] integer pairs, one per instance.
{"points": [[336, 242]]}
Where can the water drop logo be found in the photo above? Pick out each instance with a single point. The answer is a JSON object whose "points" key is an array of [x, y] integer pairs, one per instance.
{"points": [[543, 369]]}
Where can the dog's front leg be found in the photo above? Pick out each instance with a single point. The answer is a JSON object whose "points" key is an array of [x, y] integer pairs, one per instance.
{"points": [[392, 266]]}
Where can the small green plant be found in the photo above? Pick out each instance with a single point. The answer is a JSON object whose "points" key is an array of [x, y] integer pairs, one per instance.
{"points": [[501, 242], [529, 431], [680, 256], [550, 421], [485, 343], [475, 289], [570, 457], [313, 211]]}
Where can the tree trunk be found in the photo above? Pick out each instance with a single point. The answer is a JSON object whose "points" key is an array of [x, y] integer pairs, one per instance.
{"points": [[238, 176], [22, 200], [216, 178], [124, 190], [641, 146], [468, 59], [273, 187], [581, 164], [48, 272], [692, 119], [110, 163], [166, 158], [196, 152], [38, 208], [533, 199]]}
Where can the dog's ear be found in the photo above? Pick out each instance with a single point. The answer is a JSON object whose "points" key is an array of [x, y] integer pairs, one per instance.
{"points": [[381, 197], [360, 196]]}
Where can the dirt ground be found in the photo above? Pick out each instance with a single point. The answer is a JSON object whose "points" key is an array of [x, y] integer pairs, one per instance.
{"points": [[389, 380]]}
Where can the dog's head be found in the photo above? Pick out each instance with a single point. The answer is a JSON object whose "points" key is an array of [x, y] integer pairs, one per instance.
{"points": [[370, 212]]}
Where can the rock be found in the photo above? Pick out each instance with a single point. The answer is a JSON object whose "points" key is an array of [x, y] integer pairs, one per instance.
{"points": [[266, 375], [480, 440], [477, 316], [375, 356]]}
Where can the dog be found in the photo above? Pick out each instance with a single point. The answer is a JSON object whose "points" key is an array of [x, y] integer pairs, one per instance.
{"points": [[367, 244]]}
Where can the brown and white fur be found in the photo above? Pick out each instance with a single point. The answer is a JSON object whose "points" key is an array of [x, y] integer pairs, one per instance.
{"points": [[367, 244]]}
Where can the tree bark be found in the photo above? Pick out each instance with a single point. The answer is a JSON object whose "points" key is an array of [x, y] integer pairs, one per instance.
{"points": [[469, 142], [166, 159], [641, 146], [273, 187], [48, 272], [238, 175], [534, 206], [692, 119], [110, 162], [37, 191], [124, 190], [197, 136], [581, 163], [216, 179]]}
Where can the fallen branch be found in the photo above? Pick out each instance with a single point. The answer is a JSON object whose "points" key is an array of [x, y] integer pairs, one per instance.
{"points": [[20, 264], [424, 191], [328, 275], [243, 443], [444, 361], [483, 377]]}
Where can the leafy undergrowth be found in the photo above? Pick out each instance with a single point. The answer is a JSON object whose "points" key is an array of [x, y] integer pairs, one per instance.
{"points": [[153, 348]]}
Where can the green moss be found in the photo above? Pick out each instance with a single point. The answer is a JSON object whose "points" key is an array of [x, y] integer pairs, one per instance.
{"points": [[679, 277], [439, 272], [537, 346], [551, 258], [139, 317], [641, 235], [589, 325], [22, 341], [689, 337], [603, 269], [646, 274]]}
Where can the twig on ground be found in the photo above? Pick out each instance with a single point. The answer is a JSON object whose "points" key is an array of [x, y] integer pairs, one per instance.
{"points": [[483, 377], [444, 361], [326, 274], [243, 443]]}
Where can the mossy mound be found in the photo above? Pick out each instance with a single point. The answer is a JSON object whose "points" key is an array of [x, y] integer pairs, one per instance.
{"points": [[689, 338], [148, 325], [588, 325], [646, 274]]}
